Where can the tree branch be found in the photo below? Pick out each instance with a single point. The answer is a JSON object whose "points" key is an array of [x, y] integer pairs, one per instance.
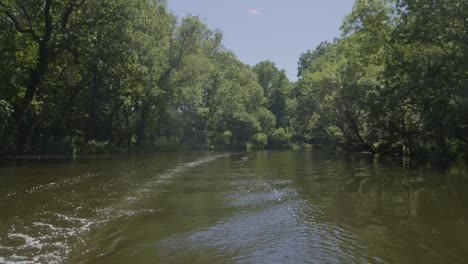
{"points": [[48, 21], [66, 14], [17, 24], [23, 9]]}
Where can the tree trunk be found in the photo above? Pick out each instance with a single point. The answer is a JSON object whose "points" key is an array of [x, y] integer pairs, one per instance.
{"points": [[24, 127], [21, 110], [141, 125], [356, 129], [91, 123]]}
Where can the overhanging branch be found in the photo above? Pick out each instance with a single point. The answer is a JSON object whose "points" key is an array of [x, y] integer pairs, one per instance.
{"points": [[17, 24]]}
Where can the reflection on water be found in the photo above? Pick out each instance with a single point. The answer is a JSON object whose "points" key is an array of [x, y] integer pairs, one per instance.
{"points": [[256, 207]]}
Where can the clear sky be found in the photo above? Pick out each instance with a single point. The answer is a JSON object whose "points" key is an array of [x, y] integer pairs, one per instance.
{"points": [[276, 30]]}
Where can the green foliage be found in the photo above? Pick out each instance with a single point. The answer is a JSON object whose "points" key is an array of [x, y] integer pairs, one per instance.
{"points": [[393, 83], [99, 75], [267, 120], [224, 138], [128, 73], [301, 146], [96, 147], [6, 130], [5, 113], [259, 140], [281, 137], [276, 88]]}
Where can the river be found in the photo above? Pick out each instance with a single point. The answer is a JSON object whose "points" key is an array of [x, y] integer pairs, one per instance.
{"points": [[217, 207]]}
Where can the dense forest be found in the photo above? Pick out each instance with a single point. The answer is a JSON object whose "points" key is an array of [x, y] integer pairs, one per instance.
{"points": [[85, 76]]}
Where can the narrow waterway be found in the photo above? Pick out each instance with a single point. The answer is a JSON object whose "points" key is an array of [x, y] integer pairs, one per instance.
{"points": [[216, 207]]}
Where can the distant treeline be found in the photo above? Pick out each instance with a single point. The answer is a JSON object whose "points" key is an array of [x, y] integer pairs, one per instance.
{"points": [[83, 76]]}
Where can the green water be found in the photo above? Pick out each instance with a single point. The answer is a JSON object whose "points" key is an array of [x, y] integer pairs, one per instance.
{"points": [[211, 207]]}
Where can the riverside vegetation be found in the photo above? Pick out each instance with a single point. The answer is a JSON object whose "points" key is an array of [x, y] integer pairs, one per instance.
{"points": [[83, 76]]}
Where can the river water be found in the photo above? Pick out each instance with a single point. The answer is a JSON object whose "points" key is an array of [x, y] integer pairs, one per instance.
{"points": [[215, 207]]}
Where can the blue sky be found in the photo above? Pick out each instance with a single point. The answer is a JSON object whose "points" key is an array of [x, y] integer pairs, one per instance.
{"points": [[276, 30]]}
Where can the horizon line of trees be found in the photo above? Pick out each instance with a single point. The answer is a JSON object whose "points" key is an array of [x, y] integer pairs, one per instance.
{"points": [[80, 76]]}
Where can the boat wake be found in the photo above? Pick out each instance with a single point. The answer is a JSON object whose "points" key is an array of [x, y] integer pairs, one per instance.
{"points": [[51, 234]]}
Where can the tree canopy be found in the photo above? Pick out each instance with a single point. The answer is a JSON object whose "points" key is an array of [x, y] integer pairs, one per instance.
{"points": [[79, 76], [396, 81]]}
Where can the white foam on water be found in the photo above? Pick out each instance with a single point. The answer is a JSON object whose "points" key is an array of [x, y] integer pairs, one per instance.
{"points": [[29, 242], [63, 183], [48, 243], [54, 185], [51, 241], [148, 188], [71, 219]]}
